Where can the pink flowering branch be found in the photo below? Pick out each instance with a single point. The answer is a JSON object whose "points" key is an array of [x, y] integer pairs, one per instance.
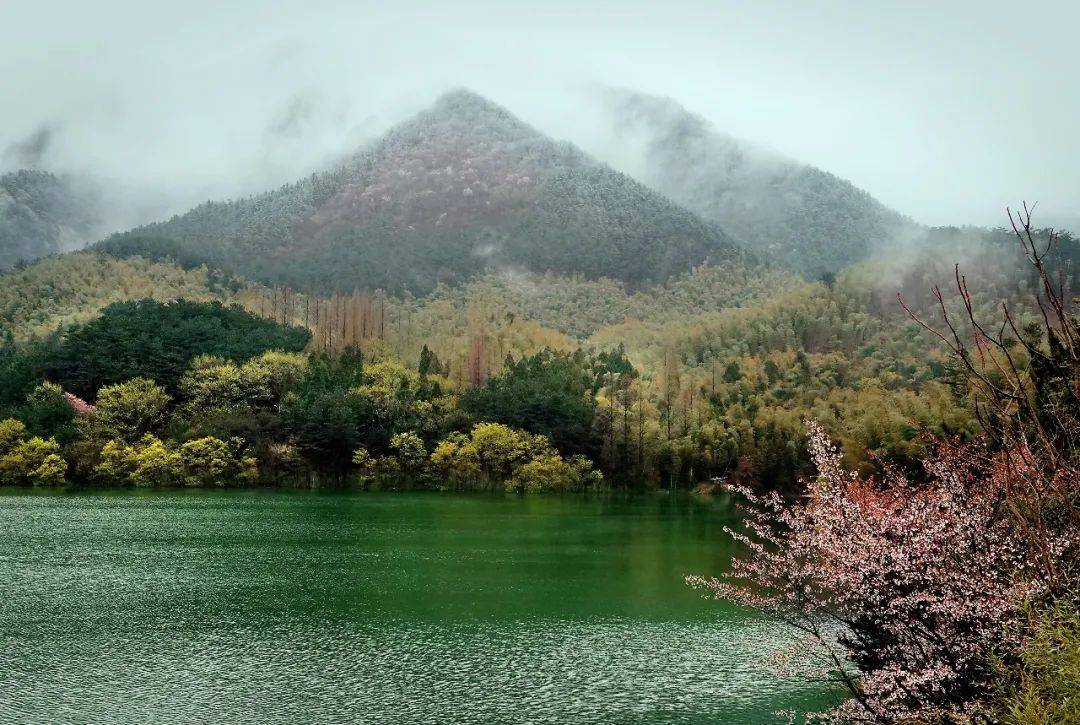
{"points": [[909, 588]]}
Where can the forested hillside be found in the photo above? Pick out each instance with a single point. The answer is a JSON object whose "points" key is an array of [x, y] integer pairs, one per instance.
{"points": [[710, 374], [41, 214], [461, 188], [70, 288], [799, 216]]}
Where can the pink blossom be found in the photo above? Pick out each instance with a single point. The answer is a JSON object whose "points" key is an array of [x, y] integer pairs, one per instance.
{"points": [[909, 588]]}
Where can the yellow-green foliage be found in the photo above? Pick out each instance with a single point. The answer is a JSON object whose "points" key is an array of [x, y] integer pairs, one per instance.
{"points": [[366, 465], [210, 461], [729, 362], [148, 462], [128, 411], [490, 453], [28, 461], [73, 287], [1045, 687], [497, 454], [211, 383], [201, 462], [550, 472], [408, 450], [577, 307]]}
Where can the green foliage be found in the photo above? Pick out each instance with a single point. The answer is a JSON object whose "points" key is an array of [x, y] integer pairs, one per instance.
{"points": [[28, 461], [147, 462], [366, 467], [128, 411], [547, 393], [72, 288], [1044, 687], [341, 405], [549, 472], [408, 450], [48, 414], [497, 455], [20, 368], [158, 340], [211, 461]]}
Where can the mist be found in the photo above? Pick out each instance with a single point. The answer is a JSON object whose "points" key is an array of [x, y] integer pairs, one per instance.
{"points": [[944, 112]]}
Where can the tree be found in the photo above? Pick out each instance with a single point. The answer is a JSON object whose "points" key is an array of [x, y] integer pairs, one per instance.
{"points": [[489, 455], [426, 358], [148, 462], [158, 340], [28, 461], [409, 451], [128, 411], [549, 472], [917, 585], [546, 394], [211, 461], [48, 413]]}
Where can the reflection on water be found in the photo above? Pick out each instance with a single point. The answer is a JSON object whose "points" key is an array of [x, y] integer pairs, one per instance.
{"points": [[300, 607]]}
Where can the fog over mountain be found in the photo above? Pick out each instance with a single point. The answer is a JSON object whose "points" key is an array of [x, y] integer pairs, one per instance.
{"points": [[41, 214], [796, 215], [940, 112], [462, 187]]}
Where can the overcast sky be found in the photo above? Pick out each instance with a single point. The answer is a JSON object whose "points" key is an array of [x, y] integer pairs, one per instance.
{"points": [[946, 111]]}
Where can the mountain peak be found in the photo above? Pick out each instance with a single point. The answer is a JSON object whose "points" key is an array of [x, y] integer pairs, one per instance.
{"points": [[465, 98], [803, 218], [465, 113], [462, 186]]}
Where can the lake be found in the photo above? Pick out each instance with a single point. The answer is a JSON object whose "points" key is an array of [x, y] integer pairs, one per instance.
{"points": [[280, 606]]}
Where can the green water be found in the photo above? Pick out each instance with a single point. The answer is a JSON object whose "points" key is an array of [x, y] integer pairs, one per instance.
{"points": [[259, 606]]}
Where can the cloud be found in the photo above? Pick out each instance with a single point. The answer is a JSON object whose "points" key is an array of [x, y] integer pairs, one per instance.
{"points": [[197, 102], [31, 151]]}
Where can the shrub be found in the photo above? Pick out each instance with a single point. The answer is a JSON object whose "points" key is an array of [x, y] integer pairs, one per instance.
{"points": [[923, 581], [149, 462], [550, 472], [211, 461], [33, 461], [128, 411], [1044, 686]]}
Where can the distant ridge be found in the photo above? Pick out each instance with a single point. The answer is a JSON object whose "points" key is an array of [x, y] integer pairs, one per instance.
{"points": [[41, 214], [796, 215], [462, 187]]}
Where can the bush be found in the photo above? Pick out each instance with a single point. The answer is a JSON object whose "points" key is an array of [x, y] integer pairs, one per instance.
{"points": [[128, 411], [495, 454], [211, 461], [1044, 687], [33, 461], [147, 463], [409, 451], [549, 472]]}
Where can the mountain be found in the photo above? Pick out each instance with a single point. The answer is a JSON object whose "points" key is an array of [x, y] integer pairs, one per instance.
{"points": [[461, 188], [796, 215], [41, 214]]}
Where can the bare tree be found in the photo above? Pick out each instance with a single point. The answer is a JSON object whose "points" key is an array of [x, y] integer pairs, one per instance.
{"points": [[1025, 382]]}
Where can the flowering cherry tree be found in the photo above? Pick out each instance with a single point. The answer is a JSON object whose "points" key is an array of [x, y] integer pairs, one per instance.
{"points": [[908, 588]]}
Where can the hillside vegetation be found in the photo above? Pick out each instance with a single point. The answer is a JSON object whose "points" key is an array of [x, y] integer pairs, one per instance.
{"points": [[41, 214], [462, 188], [798, 216]]}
